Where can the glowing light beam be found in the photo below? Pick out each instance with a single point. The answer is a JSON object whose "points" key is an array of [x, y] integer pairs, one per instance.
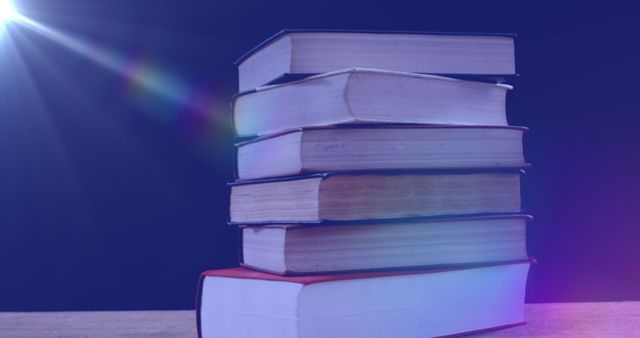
{"points": [[203, 113], [156, 83], [7, 11]]}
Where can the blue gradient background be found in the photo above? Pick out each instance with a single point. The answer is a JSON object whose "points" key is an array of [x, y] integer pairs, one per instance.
{"points": [[113, 196]]}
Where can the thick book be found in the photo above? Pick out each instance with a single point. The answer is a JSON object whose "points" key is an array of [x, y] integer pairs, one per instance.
{"points": [[365, 196], [375, 147], [298, 53], [302, 249], [359, 95], [240, 303]]}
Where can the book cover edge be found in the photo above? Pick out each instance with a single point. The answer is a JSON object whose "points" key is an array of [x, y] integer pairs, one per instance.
{"points": [[423, 268], [418, 219], [246, 273], [507, 78], [286, 31], [465, 171], [352, 70], [347, 126], [326, 222]]}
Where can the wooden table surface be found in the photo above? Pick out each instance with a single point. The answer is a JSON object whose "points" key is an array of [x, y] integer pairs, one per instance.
{"points": [[612, 319]]}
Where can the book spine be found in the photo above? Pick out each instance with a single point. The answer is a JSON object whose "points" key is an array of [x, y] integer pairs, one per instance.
{"points": [[232, 117], [199, 305]]}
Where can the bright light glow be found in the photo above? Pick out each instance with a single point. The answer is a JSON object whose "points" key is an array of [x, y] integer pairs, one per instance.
{"points": [[139, 73], [7, 11]]}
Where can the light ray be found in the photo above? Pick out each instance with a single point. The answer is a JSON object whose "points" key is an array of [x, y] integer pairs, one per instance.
{"points": [[7, 11], [195, 113], [158, 82]]}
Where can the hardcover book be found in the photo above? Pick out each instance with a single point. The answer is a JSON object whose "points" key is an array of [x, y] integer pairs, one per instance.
{"points": [[303, 249], [368, 96], [240, 303], [380, 194], [365, 196], [297, 53], [376, 147]]}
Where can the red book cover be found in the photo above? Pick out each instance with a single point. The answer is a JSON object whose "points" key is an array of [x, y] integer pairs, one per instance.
{"points": [[244, 273]]}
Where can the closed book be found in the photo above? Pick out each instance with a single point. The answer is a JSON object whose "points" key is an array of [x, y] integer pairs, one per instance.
{"points": [[240, 303], [365, 196], [296, 53], [368, 96], [303, 249], [375, 147]]}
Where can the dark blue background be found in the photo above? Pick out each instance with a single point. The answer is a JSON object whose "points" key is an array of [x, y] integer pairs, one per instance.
{"points": [[112, 197]]}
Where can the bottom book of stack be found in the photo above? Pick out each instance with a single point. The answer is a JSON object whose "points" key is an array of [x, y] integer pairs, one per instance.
{"points": [[242, 303]]}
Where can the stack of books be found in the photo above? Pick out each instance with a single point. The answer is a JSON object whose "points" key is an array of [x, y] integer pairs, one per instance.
{"points": [[375, 199]]}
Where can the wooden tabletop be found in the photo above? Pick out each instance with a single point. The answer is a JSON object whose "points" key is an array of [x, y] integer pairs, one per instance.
{"points": [[613, 319]]}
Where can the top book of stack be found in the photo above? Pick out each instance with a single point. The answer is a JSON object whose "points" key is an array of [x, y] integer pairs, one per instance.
{"points": [[294, 54]]}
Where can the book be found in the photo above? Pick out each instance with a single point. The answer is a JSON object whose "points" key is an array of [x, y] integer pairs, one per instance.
{"points": [[297, 53], [240, 303], [303, 249], [376, 147], [361, 95], [379, 195], [362, 196]]}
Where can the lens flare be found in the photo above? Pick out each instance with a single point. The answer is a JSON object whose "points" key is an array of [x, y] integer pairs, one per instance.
{"points": [[7, 11], [196, 112]]}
